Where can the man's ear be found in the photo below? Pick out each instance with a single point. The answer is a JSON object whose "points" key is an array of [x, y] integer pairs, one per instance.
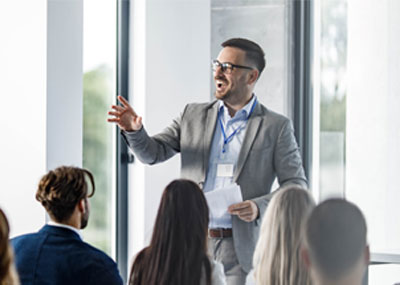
{"points": [[305, 256], [81, 205], [253, 76], [366, 255]]}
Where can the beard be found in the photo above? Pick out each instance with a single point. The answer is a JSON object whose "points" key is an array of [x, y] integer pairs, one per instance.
{"points": [[85, 216], [222, 96]]}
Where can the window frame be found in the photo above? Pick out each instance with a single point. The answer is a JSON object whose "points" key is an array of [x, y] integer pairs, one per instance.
{"points": [[304, 101]]}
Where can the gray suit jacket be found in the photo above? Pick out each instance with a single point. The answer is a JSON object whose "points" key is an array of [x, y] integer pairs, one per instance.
{"points": [[269, 149]]}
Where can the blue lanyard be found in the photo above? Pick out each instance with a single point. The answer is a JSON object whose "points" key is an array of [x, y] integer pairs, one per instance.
{"points": [[228, 139]]}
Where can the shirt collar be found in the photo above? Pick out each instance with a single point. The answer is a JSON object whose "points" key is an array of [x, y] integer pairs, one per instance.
{"points": [[246, 108], [55, 224]]}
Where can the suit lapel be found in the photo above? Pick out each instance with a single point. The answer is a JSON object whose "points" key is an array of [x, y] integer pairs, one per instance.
{"points": [[209, 128], [252, 128]]}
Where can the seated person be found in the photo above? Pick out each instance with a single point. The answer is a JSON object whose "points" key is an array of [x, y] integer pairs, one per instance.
{"points": [[8, 275], [177, 253], [277, 257], [56, 254], [336, 249]]}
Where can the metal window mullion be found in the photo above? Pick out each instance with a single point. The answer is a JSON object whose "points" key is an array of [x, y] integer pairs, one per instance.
{"points": [[302, 91], [122, 88]]}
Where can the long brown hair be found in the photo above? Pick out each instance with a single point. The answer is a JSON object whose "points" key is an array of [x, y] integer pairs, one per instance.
{"points": [[7, 270], [177, 253], [277, 259]]}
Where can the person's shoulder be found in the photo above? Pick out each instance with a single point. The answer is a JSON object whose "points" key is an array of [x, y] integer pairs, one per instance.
{"points": [[195, 112], [25, 238], [272, 117], [201, 106], [272, 114]]}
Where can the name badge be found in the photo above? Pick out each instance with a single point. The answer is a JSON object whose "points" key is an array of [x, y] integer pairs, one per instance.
{"points": [[225, 170]]}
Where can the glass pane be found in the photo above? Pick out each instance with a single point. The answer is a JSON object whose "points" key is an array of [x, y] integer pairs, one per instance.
{"points": [[358, 87], [333, 56], [98, 138]]}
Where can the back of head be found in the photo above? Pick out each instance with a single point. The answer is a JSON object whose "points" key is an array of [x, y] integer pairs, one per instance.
{"points": [[276, 258], [7, 271], [336, 237], [61, 189], [177, 253], [254, 53]]}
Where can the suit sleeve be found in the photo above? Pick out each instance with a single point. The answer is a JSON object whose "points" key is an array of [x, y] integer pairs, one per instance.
{"points": [[287, 164], [287, 159], [158, 148]]}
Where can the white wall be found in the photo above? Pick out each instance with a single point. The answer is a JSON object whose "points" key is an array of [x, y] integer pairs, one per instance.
{"points": [[23, 116], [41, 99], [170, 67]]}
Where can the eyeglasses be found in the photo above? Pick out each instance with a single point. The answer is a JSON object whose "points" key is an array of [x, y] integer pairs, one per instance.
{"points": [[227, 67]]}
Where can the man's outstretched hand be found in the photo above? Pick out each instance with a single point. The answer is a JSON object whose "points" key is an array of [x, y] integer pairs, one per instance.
{"points": [[125, 116]]}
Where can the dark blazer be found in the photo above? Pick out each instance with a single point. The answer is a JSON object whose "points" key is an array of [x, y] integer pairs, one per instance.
{"points": [[58, 256], [269, 150]]}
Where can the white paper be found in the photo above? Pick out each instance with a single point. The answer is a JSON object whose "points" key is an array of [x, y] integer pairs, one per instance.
{"points": [[219, 200]]}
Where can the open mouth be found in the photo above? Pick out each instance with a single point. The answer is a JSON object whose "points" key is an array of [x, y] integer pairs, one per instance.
{"points": [[220, 84]]}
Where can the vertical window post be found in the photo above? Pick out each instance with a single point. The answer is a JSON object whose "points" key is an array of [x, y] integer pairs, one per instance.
{"points": [[122, 151], [302, 93]]}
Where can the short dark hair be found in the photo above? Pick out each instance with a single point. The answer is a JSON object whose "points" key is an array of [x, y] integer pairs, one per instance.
{"points": [[254, 53], [336, 234], [61, 189]]}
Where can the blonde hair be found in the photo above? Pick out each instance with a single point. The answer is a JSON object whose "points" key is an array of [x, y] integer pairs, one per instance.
{"points": [[277, 259], [8, 275]]}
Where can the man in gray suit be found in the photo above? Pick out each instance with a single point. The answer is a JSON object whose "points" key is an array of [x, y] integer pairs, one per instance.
{"points": [[234, 139]]}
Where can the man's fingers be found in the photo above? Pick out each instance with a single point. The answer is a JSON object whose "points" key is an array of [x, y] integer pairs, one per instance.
{"points": [[117, 108], [113, 120], [246, 214], [116, 114], [238, 206], [126, 104], [241, 211]]}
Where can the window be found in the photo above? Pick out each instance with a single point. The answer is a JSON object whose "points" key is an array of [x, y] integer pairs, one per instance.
{"points": [[356, 98], [99, 60]]}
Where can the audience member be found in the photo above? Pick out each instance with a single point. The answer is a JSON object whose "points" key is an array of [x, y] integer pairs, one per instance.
{"points": [[277, 259], [336, 249], [57, 254], [177, 253], [8, 274]]}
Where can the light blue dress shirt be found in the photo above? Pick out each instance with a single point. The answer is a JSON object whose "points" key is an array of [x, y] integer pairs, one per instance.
{"points": [[231, 154]]}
